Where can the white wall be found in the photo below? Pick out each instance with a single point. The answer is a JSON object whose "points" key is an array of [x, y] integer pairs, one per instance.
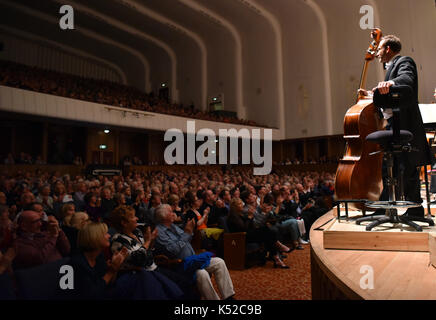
{"points": [[414, 21]]}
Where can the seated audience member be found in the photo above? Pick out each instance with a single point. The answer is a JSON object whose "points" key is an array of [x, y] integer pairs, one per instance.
{"points": [[173, 201], [217, 209], [120, 199], [289, 209], [107, 202], [209, 236], [140, 278], [67, 212], [10, 159], [92, 207], [309, 212], [38, 208], [155, 201], [240, 222], [35, 247], [265, 217], [60, 197], [6, 228], [127, 192], [193, 204], [71, 226], [79, 196], [175, 243], [45, 199], [226, 198], [3, 199], [93, 276], [26, 199], [286, 224], [140, 206], [7, 288]]}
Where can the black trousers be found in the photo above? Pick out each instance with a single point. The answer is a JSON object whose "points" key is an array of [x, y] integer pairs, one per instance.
{"points": [[264, 235], [411, 184]]}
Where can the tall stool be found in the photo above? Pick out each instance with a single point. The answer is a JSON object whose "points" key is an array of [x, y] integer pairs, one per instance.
{"points": [[393, 143]]}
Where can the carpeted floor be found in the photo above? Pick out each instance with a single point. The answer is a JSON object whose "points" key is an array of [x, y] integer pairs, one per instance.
{"points": [[267, 283]]}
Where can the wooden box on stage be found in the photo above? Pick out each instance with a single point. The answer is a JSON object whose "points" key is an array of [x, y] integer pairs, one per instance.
{"points": [[348, 235]]}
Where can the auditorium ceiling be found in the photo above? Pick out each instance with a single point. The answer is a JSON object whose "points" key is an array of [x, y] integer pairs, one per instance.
{"points": [[291, 64]]}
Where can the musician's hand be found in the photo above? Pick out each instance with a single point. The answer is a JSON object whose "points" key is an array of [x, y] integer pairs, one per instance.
{"points": [[383, 87], [362, 92]]}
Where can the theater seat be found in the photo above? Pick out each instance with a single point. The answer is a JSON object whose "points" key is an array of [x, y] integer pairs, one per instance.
{"points": [[41, 282], [238, 254]]}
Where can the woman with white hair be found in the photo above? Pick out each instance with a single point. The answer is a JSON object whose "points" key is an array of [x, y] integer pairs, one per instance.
{"points": [[140, 278]]}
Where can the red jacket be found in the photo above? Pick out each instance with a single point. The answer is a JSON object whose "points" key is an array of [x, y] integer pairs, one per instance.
{"points": [[40, 248]]}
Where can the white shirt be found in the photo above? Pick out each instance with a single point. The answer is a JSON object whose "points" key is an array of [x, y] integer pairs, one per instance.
{"points": [[388, 113]]}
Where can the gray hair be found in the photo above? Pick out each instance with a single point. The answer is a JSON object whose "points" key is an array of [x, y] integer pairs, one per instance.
{"points": [[161, 212]]}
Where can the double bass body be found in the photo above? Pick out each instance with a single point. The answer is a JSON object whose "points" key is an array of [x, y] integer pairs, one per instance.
{"points": [[359, 172]]}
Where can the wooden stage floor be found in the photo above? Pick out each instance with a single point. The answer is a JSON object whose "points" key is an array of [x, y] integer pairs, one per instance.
{"points": [[372, 274]]}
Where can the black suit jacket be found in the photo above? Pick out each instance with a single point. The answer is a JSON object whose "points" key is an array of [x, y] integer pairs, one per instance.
{"points": [[403, 72]]}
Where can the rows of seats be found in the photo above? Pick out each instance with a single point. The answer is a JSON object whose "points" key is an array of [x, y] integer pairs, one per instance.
{"points": [[72, 200], [100, 91]]}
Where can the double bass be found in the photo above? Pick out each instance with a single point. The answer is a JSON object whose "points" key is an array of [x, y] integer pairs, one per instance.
{"points": [[358, 175]]}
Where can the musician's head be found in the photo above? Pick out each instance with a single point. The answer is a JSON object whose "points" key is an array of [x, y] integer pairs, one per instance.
{"points": [[389, 46]]}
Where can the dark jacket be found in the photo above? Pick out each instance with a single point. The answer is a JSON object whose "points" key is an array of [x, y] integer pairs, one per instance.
{"points": [[403, 72]]}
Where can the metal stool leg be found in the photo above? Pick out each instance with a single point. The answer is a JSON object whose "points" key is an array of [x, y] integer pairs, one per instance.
{"points": [[369, 218], [410, 223], [379, 221], [421, 219]]}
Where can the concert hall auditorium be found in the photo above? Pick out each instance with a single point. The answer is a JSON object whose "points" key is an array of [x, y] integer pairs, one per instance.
{"points": [[240, 151]]}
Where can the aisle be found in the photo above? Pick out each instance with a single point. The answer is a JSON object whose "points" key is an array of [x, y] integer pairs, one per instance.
{"points": [[267, 283]]}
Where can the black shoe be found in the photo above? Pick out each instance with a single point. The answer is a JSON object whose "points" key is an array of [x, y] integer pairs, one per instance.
{"points": [[415, 212], [281, 266], [379, 212]]}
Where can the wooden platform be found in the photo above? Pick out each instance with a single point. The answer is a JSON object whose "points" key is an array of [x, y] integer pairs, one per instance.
{"points": [[346, 234], [338, 274]]}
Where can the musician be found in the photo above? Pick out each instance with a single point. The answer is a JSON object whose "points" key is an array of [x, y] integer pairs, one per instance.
{"points": [[401, 70]]}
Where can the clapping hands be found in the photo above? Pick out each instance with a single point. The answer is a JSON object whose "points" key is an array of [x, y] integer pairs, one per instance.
{"points": [[189, 227], [118, 259]]}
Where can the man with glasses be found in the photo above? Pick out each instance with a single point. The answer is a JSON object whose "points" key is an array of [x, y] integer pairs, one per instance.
{"points": [[35, 247]]}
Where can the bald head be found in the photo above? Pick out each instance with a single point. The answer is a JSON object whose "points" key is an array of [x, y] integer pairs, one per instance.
{"points": [[30, 221], [27, 198]]}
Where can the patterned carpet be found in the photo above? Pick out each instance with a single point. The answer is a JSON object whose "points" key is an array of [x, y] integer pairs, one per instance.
{"points": [[267, 283]]}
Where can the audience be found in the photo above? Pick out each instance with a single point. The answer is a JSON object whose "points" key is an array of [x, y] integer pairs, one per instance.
{"points": [[175, 242], [71, 226], [240, 221], [93, 276], [35, 247], [282, 205], [100, 91], [140, 278]]}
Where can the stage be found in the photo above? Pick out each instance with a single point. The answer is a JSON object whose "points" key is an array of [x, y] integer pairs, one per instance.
{"points": [[348, 273]]}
